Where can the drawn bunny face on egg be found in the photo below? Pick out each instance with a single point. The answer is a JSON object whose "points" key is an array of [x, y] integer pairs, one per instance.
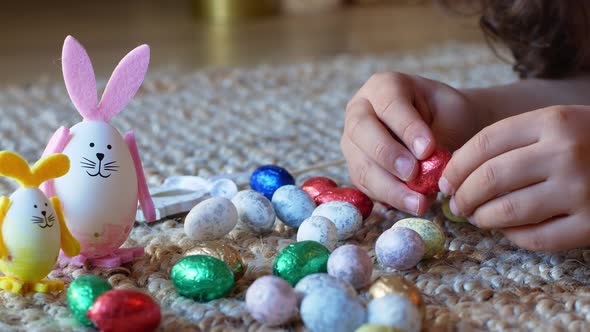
{"points": [[32, 209]]}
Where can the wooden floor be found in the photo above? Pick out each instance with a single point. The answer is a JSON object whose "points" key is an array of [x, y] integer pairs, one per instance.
{"points": [[31, 37]]}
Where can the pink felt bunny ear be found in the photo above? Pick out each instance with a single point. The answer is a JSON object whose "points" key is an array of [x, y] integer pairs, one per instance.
{"points": [[124, 82], [79, 78]]}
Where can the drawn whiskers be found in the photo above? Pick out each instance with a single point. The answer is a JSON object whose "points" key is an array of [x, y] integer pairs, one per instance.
{"points": [[87, 163], [111, 166]]}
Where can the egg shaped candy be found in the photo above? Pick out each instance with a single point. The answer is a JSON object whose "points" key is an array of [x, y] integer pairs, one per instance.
{"points": [[433, 236], [399, 248], [446, 209], [318, 229], [431, 169], [125, 310], [318, 282], [317, 185], [222, 251], [268, 178], [271, 300], [352, 264], [395, 284], [378, 328], [202, 278], [211, 219], [299, 260], [345, 216], [292, 205], [351, 195], [396, 311], [332, 311], [255, 211], [82, 293]]}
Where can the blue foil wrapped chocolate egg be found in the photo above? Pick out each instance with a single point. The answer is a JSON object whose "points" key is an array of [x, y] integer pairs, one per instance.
{"points": [[268, 178]]}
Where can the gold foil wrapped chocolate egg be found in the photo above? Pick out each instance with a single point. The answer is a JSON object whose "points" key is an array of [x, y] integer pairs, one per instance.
{"points": [[222, 251], [398, 285]]}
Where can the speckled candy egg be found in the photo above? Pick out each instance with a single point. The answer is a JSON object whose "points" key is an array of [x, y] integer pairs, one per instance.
{"points": [[378, 328], [268, 178], [292, 205], [345, 216], [318, 282], [352, 264], [332, 311], [211, 219], [351, 195], [399, 248], [271, 300], [433, 236], [319, 229], [446, 209], [254, 210], [396, 311]]}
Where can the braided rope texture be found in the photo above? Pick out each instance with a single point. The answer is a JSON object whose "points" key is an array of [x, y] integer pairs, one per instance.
{"points": [[233, 120]]}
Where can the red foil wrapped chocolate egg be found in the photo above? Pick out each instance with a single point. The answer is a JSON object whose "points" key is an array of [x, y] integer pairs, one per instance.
{"points": [[351, 195], [431, 170], [125, 310], [317, 185]]}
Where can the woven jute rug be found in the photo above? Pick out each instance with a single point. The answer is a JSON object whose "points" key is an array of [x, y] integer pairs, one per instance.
{"points": [[233, 120]]}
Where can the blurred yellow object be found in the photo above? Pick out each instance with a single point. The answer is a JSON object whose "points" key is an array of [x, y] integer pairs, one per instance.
{"points": [[231, 10]]}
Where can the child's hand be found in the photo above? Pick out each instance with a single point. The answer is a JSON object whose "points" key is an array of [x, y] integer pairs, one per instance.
{"points": [[529, 176], [394, 119]]}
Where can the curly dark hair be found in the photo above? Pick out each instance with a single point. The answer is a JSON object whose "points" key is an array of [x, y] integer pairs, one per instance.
{"points": [[547, 38]]}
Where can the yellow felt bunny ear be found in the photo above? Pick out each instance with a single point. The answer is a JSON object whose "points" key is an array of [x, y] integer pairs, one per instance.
{"points": [[14, 166]]}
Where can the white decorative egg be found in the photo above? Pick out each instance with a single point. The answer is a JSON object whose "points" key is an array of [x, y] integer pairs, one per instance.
{"points": [[31, 233], [319, 229], [292, 205], [100, 192], [345, 216], [396, 311], [211, 219], [254, 210]]}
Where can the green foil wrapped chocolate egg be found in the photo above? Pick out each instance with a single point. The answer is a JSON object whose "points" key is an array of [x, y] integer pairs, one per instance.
{"points": [[433, 236], [202, 278], [449, 214], [82, 293], [301, 259]]}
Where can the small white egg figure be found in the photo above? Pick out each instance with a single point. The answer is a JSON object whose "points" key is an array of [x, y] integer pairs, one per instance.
{"points": [[395, 310], [211, 219], [32, 226], [106, 181], [292, 205], [345, 216], [255, 211], [319, 229]]}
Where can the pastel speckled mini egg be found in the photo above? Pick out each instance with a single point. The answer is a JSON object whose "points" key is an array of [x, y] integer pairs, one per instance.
{"points": [[396, 311], [332, 311], [399, 248], [378, 328], [211, 219], [271, 300], [345, 216], [352, 264], [254, 210], [318, 282], [446, 209], [292, 205], [433, 236], [319, 229]]}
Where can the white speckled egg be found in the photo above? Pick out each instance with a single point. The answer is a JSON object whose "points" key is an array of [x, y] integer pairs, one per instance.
{"points": [[399, 248], [211, 219], [254, 210], [345, 216], [352, 264], [271, 300], [319, 229], [395, 310], [292, 205], [332, 311], [321, 281]]}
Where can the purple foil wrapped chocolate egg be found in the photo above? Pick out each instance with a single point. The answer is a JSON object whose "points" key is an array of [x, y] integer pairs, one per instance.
{"points": [[399, 248], [352, 264]]}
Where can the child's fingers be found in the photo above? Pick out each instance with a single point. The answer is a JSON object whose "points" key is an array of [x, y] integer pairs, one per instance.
{"points": [[366, 131], [393, 98], [503, 136], [520, 207], [559, 233], [507, 172], [380, 184]]}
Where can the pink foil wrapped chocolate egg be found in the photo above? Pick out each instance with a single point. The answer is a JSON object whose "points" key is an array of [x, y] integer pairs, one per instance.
{"points": [[125, 310], [271, 300], [351, 195], [317, 185], [431, 169]]}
